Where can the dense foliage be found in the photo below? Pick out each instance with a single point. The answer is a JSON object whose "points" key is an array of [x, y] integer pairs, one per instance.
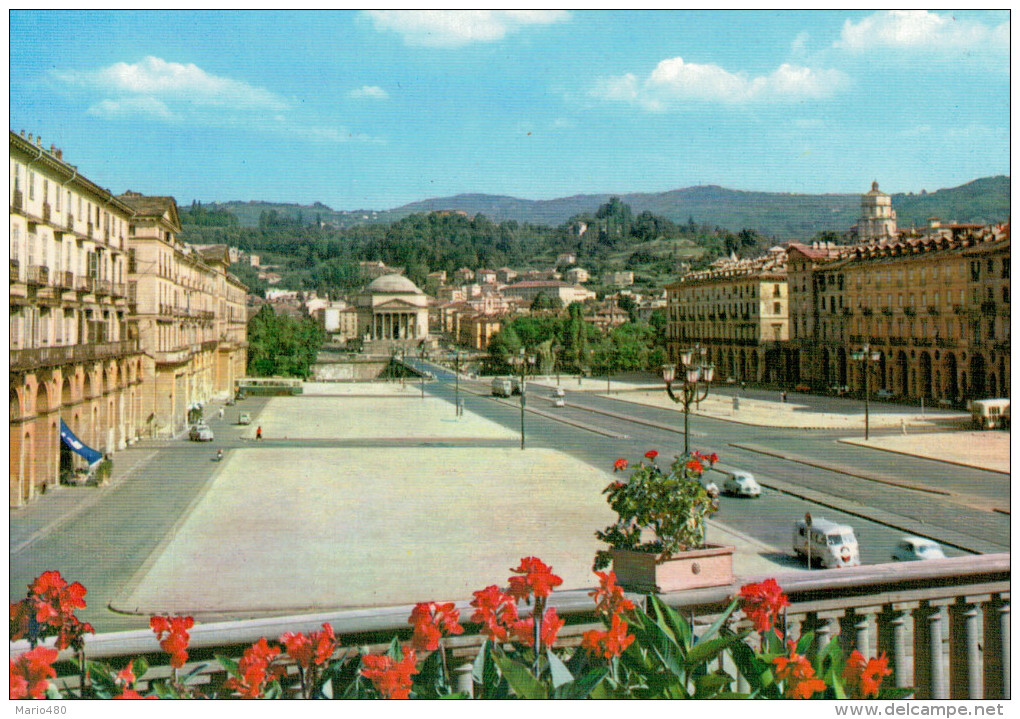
{"points": [[282, 346]]}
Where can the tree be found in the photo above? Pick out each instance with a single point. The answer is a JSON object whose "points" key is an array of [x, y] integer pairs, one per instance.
{"points": [[282, 345], [543, 301]]}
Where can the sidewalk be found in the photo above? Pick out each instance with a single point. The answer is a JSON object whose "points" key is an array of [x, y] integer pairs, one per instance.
{"points": [[982, 450]]}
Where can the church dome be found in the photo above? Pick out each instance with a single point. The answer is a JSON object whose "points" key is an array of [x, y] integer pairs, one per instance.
{"points": [[392, 284]]}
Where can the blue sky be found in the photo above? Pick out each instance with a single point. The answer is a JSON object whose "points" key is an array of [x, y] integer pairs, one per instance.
{"points": [[375, 109]]}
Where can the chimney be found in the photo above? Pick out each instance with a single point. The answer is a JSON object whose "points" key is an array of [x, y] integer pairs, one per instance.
{"points": [[30, 138], [22, 133], [60, 154]]}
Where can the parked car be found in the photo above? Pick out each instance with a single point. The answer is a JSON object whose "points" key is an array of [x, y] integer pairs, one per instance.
{"points": [[244, 418], [884, 393], [558, 392], [741, 484], [802, 388], [200, 433], [558, 400], [839, 390], [911, 549], [501, 387], [829, 544]]}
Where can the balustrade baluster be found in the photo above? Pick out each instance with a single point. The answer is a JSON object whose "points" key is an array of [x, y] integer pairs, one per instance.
{"points": [[854, 631], [892, 639], [462, 676], [964, 649], [996, 647], [929, 672]]}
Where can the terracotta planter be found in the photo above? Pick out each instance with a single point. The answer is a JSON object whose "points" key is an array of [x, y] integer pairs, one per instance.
{"points": [[645, 572]]}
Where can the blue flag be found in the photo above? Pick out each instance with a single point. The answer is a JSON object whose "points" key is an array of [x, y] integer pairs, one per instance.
{"points": [[91, 455]]}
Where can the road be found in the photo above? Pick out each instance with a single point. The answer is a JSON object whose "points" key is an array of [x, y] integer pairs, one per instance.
{"points": [[949, 503]]}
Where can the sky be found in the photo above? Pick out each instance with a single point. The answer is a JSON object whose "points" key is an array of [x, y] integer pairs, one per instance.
{"points": [[374, 109]]}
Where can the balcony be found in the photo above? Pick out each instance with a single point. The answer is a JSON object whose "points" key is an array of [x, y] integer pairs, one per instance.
{"points": [[15, 271], [103, 287], [887, 311], [909, 311], [172, 356], [119, 289], [65, 280], [70, 354], [933, 310], [922, 342], [17, 201], [988, 307], [38, 275], [944, 625], [898, 341], [85, 284]]}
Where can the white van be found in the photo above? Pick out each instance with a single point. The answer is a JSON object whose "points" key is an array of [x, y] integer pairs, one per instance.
{"points": [[990, 413], [501, 387], [832, 545]]}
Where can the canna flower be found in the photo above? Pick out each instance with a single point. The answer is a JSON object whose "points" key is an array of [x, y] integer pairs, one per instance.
{"points": [[651, 454], [315, 649], [430, 621], [609, 598], [620, 465], [50, 605], [175, 643], [254, 669], [132, 694], [695, 466], [798, 676], [762, 603], [863, 677], [496, 611], [538, 579], [390, 678], [31, 672], [524, 630], [611, 643]]}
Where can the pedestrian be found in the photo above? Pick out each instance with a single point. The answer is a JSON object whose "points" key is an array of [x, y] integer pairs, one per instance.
{"points": [[258, 433], [782, 396], [221, 413], [903, 425]]}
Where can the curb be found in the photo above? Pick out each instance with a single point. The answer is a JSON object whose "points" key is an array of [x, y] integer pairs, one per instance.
{"points": [[857, 443]]}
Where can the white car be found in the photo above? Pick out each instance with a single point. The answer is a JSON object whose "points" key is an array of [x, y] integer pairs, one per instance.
{"points": [[200, 433], [910, 549], [883, 393], [711, 487], [558, 401], [741, 484]]}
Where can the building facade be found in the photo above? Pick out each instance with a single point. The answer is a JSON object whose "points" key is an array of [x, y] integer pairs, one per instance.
{"points": [[392, 312], [738, 311], [86, 310]]}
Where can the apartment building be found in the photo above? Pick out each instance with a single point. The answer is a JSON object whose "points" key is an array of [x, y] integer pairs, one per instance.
{"points": [[74, 367], [935, 307], [739, 311], [117, 330], [476, 329]]}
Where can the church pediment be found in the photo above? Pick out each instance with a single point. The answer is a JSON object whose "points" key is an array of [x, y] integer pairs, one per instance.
{"points": [[396, 304]]}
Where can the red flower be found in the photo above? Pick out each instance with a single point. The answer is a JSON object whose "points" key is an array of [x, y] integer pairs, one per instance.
{"points": [[863, 677], [315, 649], [610, 643], [496, 611], [524, 630], [799, 676], [51, 602], [430, 621], [254, 670], [651, 454], [175, 643], [391, 679], [762, 603], [713, 458], [31, 672], [695, 466], [538, 579], [132, 694], [620, 465], [609, 597]]}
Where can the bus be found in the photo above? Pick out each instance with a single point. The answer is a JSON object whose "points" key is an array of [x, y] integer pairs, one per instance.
{"points": [[990, 413], [269, 386]]}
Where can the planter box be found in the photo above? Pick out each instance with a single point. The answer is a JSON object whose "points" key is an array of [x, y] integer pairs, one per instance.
{"points": [[645, 572]]}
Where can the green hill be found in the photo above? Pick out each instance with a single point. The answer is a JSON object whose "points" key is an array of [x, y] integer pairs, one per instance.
{"points": [[775, 214]]}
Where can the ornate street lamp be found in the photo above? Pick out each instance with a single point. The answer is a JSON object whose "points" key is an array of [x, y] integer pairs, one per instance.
{"points": [[866, 356], [456, 362], [691, 375], [523, 361]]}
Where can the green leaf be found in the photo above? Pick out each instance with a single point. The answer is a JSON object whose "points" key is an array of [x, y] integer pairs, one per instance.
{"points": [[229, 665], [455, 695], [273, 690], [519, 676], [103, 682], [706, 651], [804, 643], [583, 687], [708, 685], [711, 631], [558, 670], [676, 624], [659, 641], [139, 666], [189, 675]]}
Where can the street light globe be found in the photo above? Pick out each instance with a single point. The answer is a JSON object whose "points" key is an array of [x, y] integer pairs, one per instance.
{"points": [[708, 372], [668, 372], [693, 374]]}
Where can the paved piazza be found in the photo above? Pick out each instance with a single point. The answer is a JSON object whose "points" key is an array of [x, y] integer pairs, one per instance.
{"points": [[297, 529], [364, 417]]}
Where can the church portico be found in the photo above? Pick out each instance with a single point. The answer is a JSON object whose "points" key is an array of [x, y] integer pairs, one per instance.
{"points": [[392, 310]]}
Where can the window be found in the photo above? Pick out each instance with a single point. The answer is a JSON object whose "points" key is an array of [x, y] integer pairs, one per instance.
{"points": [[45, 190], [56, 198], [776, 307], [31, 185], [1005, 294], [15, 241], [1005, 268]]}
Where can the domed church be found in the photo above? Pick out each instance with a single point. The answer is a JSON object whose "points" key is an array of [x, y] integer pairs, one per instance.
{"points": [[392, 310]]}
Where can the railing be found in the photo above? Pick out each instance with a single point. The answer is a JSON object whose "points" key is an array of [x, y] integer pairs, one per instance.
{"points": [[132, 293], [38, 274], [944, 342], [18, 201], [85, 283], [210, 345], [922, 342], [944, 625], [172, 356], [52, 356], [119, 289], [898, 341], [65, 279], [104, 287], [14, 271]]}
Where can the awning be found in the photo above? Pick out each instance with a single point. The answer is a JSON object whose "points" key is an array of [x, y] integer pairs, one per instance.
{"points": [[91, 455]]}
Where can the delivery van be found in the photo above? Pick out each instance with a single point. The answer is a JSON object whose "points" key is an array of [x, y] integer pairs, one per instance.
{"points": [[990, 413], [831, 545], [501, 387]]}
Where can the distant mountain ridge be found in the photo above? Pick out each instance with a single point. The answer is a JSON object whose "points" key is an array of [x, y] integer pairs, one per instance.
{"points": [[783, 215]]}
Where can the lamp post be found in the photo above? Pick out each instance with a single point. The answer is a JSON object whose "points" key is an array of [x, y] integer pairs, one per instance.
{"points": [[556, 360], [691, 376], [522, 361], [456, 364], [866, 356]]}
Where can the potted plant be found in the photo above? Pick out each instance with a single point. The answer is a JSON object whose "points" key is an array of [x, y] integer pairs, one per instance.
{"points": [[657, 543]]}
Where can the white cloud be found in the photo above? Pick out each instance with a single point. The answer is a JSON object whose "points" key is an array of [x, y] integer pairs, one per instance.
{"points": [[455, 28], [799, 43], [179, 93], [921, 30], [371, 92], [673, 81]]}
